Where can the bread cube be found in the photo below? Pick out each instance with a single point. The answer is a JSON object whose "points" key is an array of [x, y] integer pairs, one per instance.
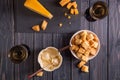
{"points": [[90, 37], [76, 11], [84, 35], [64, 2], [74, 4], [39, 74], [74, 48], [79, 55], [91, 42], [87, 53], [78, 41], [77, 36], [84, 58], [96, 38], [44, 25], [85, 45], [36, 28], [81, 64], [93, 51], [71, 11], [69, 5], [73, 41], [81, 50], [85, 68], [95, 45]]}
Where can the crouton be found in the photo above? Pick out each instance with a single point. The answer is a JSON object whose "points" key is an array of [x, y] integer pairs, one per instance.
{"points": [[44, 25], [81, 64], [85, 68], [36, 28]]}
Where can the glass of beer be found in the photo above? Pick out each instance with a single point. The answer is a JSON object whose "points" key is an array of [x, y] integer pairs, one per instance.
{"points": [[98, 11], [18, 53]]}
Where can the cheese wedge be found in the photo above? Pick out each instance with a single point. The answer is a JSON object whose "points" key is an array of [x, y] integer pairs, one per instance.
{"points": [[37, 7]]}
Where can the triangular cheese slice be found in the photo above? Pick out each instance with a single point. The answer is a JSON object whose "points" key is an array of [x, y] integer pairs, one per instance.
{"points": [[37, 7]]}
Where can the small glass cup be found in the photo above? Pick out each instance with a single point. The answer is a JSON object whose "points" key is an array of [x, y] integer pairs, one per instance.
{"points": [[18, 53], [98, 11]]}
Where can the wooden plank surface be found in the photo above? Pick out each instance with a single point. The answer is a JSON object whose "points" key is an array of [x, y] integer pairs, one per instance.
{"points": [[98, 65], [106, 65], [114, 41], [23, 69], [6, 39], [64, 72]]}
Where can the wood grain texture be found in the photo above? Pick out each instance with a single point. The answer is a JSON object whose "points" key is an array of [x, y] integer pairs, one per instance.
{"points": [[114, 41], [23, 69], [98, 65], [6, 39], [64, 72]]}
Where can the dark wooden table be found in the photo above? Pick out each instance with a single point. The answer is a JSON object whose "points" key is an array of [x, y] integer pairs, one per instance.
{"points": [[106, 66]]}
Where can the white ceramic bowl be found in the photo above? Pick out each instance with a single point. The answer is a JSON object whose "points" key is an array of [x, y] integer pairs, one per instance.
{"points": [[58, 54], [91, 57]]}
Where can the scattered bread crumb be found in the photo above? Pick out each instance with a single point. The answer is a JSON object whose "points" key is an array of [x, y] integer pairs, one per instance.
{"points": [[69, 17], [39, 74], [65, 14], [44, 25], [69, 22], [36, 28], [60, 24]]}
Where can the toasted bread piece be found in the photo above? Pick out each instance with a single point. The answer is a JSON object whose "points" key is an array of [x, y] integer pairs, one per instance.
{"points": [[78, 41], [90, 37], [76, 11], [79, 55], [64, 2], [69, 5], [72, 11], [84, 58], [84, 35], [44, 25], [39, 74], [93, 51], [36, 28], [74, 4], [85, 45], [81, 50], [85, 68], [74, 48], [81, 64]]}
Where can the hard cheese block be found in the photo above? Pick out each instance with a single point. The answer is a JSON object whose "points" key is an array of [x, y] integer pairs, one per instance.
{"points": [[37, 7]]}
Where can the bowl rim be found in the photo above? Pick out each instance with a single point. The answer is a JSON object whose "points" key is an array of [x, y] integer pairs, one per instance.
{"points": [[40, 63], [78, 33]]}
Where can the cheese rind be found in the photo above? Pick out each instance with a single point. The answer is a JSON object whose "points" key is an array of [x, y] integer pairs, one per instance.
{"points": [[37, 7]]}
